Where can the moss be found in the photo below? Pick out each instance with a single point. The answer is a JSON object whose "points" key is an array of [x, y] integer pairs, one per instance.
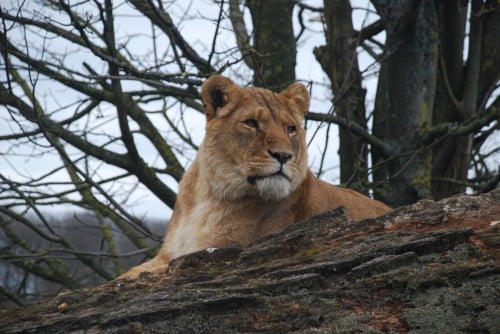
{"points": [[309, 252], [421, 180], [217, 267], [425, 117]]}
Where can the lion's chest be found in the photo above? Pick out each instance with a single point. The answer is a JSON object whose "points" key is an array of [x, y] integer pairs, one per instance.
{"points": [[213, 224]]}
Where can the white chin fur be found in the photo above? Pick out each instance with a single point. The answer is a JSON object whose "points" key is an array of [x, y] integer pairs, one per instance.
{"points": [[269, 189], [273, 188]]}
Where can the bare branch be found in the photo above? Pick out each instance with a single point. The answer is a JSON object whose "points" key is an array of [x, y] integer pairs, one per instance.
{"points": [[356, 128], [472, 125], [240, 31], [163, 20]]}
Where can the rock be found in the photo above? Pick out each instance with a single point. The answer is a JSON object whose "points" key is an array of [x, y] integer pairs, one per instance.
{"points": [[432, 267]]}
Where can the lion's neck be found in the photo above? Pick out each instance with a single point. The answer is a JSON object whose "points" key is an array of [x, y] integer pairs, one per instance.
{"points": [[205, 220], [201, 189]]}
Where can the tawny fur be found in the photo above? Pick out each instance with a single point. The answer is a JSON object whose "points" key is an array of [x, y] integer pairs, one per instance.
{"points": [[233, 192]]}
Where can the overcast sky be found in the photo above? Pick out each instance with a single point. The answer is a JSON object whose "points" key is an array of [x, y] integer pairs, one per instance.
{"points": [[198, 29]]}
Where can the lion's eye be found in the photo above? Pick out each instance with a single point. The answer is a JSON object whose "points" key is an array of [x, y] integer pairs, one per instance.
{"points": [[291, 129], [252, 123]]}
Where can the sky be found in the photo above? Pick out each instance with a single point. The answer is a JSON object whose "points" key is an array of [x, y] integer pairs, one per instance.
{"points": [[197, 26], [24, 161]]}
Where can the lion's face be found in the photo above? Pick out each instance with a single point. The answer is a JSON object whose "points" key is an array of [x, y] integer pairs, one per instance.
{"points": [[254, 143]]}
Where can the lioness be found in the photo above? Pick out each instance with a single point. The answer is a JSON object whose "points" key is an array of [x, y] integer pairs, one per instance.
{"points": [[250, 176]]}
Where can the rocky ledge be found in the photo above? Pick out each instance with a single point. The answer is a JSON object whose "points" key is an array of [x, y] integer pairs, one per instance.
{"points": [[432, 267]]}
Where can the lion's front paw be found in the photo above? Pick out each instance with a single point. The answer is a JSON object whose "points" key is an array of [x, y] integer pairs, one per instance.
{"points": [[132, 274], [153, 267]]}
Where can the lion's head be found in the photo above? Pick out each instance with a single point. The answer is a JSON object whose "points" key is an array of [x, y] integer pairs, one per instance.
{"points": [[255, 141]]}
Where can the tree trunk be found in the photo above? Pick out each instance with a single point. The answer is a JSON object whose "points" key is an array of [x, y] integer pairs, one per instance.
{"points": [[426, 268], [452, 156], [410, 59], [339, 61], [274, 43], [461, 89]]}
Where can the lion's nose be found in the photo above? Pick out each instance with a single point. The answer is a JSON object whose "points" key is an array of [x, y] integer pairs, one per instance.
{"points": [[282, 157]]}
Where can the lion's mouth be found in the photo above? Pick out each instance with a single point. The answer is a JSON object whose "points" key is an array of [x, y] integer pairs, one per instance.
{"points": [[252, 179]]}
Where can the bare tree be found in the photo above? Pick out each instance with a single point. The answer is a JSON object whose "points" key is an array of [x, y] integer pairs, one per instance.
{"points": [[339, 61], [111, 99], [426, 133]]}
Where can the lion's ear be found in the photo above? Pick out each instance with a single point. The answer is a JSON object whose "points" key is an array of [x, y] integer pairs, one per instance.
{"points": [[298, 94], [216, 93]]}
